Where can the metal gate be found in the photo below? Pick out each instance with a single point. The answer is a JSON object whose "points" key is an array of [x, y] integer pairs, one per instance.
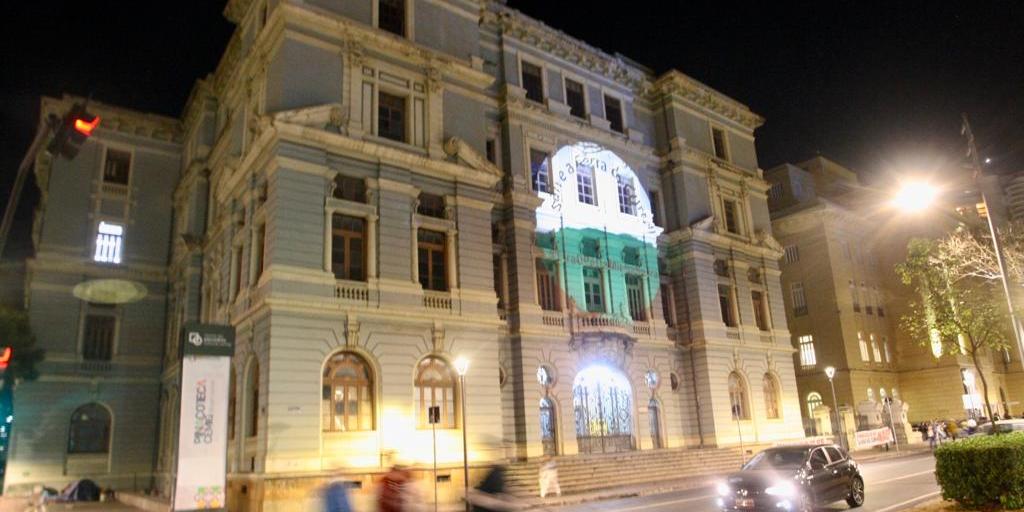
{"points": [[548, 427], [603, 409]]}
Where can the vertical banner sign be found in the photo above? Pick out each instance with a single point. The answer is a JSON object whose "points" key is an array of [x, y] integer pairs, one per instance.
{"points": [[202, 424]]}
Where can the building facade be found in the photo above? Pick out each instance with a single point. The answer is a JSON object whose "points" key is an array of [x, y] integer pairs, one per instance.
{"points": [[96, 291], [844, 301], [371, 189]]}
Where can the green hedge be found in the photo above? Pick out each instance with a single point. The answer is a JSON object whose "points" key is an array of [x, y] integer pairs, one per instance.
{"points": [[983, 472]]}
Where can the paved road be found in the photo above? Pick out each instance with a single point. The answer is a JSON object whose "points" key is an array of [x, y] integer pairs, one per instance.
{"points": [[890, 485]]}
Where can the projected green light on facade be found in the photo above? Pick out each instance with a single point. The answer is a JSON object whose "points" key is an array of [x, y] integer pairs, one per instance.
{"points": [[596, 225]]}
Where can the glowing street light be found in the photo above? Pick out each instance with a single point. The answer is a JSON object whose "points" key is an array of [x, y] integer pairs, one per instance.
{"points": [[915, 196], [462, 366]]}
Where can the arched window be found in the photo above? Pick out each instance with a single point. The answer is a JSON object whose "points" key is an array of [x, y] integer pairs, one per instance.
{"points": [[252, 399], [435, 386], [347, 394], [813, 402], [90, 430], [771, 397], [738, 397]]}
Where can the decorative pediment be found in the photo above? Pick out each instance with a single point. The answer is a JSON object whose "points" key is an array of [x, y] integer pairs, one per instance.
{"points": [[332, 117], [603, 347], [464, 153]]}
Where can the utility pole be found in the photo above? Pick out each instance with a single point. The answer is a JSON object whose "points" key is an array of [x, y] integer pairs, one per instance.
{"points": [[976, 172], [19, 182]]}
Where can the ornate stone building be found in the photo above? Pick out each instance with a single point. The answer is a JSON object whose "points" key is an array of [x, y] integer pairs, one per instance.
{"points": [[370, 189]]}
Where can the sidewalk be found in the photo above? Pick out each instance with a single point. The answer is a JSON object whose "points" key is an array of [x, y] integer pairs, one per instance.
{"points": [[20, 504]]}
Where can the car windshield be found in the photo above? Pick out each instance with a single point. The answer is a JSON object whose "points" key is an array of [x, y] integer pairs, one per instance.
{"points": [[777, 459]]}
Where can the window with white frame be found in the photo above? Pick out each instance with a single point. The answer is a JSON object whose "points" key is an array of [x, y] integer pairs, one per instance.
{"points": [[109, 242], [627, 195], [731, 211], [865, 354], [540, 175], [585, 185], [796, 291], [792, 253], [808, 358], [876, 349]]}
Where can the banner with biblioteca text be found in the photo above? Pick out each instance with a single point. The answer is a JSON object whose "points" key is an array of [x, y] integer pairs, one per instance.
{"points": [[202, 425]]}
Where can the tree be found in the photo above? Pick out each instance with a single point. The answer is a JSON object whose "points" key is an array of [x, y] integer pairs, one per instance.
{"points": [[16, 333], [972, 251], [960, 310]]}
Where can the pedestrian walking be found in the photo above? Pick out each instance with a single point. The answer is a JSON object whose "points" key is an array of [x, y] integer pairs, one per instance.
{"points": [[489, 494], [548, 474], [932, 437], [336, 497], [390, 493]]}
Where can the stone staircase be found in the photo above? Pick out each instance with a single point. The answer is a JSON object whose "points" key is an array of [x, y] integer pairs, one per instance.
{"points": [[593, 472]]}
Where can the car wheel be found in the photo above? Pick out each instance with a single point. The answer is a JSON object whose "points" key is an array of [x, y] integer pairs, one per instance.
{"points": [[856, 497]]}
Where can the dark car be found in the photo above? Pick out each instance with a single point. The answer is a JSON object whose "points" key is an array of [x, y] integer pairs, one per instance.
{"points": [[796, 478]]}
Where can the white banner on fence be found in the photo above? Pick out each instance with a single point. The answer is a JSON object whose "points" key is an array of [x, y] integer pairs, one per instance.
{"points": [[869, 438], [202, 433]]}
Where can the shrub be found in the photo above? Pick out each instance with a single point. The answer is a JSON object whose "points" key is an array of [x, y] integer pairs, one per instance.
{"points": [[983, 472]]}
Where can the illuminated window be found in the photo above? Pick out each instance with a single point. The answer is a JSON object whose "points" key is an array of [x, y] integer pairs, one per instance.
{"points": [[865, 354], [575, 98], [89, 432], [593, 289], [349, 188], [760, 309], [547, 286], [540, 175], [347, 396], [875, 349], [391, 16], [585, 184], [434, 387], [613, 113], [771, 397], [431, 252], [117, 167], [99, 332], [885, 349], [348, 247], [109, 242], [252, 399], [731, 211], [813, 402], [726, 306], [796, 292], [738, 397], [808, 358], [533, 81], [391, 117], [627, 195], [636, 298], [718, 140]]}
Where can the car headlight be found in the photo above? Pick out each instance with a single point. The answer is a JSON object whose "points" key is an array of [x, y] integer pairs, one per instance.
{"points": [[785, 489], [723, 490]]}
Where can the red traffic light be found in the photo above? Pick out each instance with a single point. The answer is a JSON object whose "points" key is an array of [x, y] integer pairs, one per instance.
{"points": [[5, 357], [86, 127]]}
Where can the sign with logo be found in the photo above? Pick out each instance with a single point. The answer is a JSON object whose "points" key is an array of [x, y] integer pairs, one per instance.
{"points": [[202, 423], [876, 437]]}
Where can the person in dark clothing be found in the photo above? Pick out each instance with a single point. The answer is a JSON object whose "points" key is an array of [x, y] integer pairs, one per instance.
{"points": [[491, 487]]}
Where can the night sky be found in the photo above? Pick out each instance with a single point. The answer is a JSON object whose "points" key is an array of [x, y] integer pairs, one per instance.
{"points": [[874, 86]]}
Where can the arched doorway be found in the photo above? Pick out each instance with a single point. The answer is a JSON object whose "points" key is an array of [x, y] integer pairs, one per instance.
{"points": [[548, 426], [654, 414], [603, 406]]}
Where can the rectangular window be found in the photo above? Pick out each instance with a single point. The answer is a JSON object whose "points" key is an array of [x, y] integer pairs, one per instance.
{"points": [[585, 184], [236, 272], [99, 331], [391, 16], [109, 243], [540, 175], [808, 359], [668, 305], [547, 286], [792, 254], [655, 208], [499, 280], [718, 139], [885, 350], [348, 247], [876, 349], [593, 289], [431, 205], [613, 113], [490, 150], [731, 211], [631, 256], [117, 167], [590, 247], [775, 192], [349, 188], [760, 309], [796, 291], [627, 196], [391, 117], [533, 81], [878, 302], [867, 299], [575, 99], [725, 305], [431, 252], [854, 297], [865, 354], [258, 252], [635, 294]]}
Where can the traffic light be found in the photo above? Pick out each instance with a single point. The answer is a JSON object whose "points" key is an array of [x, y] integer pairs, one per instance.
{"points": [[5, 357], [71, 132]]}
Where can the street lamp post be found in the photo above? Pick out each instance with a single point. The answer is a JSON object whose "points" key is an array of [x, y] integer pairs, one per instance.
{"points": [[462, 366], [830, 372]]}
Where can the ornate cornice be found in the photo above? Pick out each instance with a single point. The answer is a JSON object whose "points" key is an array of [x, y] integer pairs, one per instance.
{"points": [[118, 119], [678, 85]]}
